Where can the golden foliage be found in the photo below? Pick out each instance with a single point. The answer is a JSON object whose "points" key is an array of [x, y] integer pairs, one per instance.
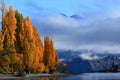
{"points": [[31, 44], [50, 55], [21, 48], [4, 63], [8, 28]]}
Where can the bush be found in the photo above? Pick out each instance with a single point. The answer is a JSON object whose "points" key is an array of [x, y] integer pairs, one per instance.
{"points": [[21, 74]]}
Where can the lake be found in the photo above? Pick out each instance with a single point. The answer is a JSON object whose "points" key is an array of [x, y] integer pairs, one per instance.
{"points": [[94, 76], [85, 76]]}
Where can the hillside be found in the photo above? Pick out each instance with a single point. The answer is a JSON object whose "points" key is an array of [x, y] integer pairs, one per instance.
{"points": [[83, 61], [79, 65]]}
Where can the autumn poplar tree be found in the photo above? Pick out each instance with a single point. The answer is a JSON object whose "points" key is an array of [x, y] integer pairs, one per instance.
{"points": [[21, 48], [19, 19], [50, 55], [9, 29], [31, 45]]}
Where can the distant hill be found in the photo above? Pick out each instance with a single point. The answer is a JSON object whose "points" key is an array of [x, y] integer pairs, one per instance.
{"points": [[77, 64], [68, 54], [71, 54], [76, 16]]}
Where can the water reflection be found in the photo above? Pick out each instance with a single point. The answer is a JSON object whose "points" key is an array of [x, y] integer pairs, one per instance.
{"points": [[36, 79], [94, 76], [86, 76]]}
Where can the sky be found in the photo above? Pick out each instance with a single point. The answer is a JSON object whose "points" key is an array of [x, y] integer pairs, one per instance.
{"points": [[75, 24]]}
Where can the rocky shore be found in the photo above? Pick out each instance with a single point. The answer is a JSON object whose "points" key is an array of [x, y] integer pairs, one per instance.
{"points": [[11, 76]]}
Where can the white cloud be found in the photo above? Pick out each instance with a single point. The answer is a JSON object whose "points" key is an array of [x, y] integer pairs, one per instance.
{"points": [[60, 21], [68, 33], [101, 48], [88, 56], [98, 31]]}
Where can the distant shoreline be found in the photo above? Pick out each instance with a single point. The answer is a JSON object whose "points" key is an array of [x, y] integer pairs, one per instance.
{"points": [[11, 76]]}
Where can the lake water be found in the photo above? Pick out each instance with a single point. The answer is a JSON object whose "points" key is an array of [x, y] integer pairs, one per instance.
{"points": [[89, 76], [86, 76], [94, 76]]}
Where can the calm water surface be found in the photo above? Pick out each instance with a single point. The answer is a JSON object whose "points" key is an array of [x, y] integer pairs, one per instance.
{"points": [[94, 76], [86, 76]]}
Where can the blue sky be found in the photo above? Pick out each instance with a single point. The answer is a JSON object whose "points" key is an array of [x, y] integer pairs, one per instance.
{"points": [[81, 7], [46, 6], [75, 24]]}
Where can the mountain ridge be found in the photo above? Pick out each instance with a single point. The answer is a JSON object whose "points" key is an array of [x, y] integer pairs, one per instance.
{"points": [[76, 64]]}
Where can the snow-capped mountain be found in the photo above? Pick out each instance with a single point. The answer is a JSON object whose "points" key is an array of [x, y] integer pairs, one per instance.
{"points": [[76, 16], [78, 65], [84, 61], [70, 54]]}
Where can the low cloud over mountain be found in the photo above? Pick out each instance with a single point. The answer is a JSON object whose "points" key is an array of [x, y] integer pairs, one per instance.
{"points": [[69, 33], [86, 24]]}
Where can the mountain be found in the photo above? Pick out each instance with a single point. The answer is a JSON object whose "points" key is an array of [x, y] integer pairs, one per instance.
{"points": [[78, 65], [76, 16], [63, 15], [68, 54], [71, 54]]}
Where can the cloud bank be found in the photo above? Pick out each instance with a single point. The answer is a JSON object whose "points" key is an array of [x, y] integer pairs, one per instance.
{"points": [[92, 34], [96, 26], [88, 56]]}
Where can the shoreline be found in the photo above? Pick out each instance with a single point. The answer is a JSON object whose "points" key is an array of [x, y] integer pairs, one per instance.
{"points": [[11, 76]]}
